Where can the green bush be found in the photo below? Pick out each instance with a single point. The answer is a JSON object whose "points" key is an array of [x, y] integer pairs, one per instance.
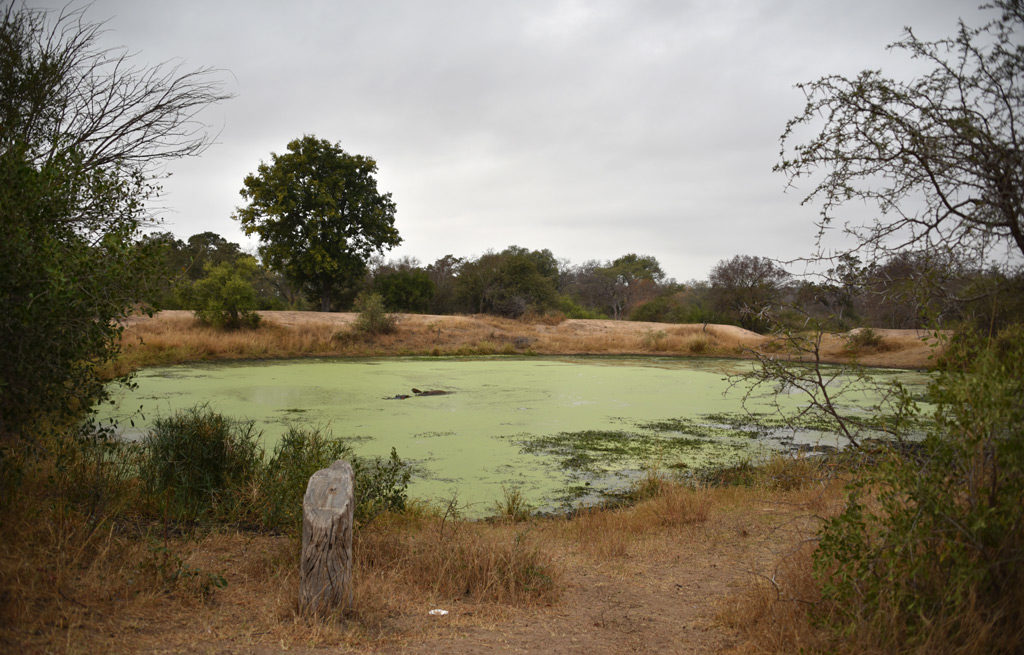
{"points": [[300, 454], [572, 309], [380, 485], [372, 319], [928, 553], [226, 297], [863, 339], [198, 464]]}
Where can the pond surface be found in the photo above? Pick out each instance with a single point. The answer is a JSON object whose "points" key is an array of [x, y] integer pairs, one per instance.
{"points": [[558, 429]]}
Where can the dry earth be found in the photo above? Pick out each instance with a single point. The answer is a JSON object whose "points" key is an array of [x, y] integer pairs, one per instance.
{"points": [[172, 336], [672, 589]]}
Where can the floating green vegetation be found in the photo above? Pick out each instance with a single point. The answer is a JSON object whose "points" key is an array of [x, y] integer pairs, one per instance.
{"points": [[554, 428], [604, 450]]}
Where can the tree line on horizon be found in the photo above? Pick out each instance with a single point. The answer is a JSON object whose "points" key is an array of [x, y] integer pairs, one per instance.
{"points": [[907, 290]]}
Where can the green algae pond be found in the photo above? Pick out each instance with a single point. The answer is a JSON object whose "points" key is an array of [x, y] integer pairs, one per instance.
{"points": [[559, 430]]}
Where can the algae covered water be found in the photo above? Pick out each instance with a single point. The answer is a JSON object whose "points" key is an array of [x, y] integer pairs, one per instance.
{"points": [[557, 429]]}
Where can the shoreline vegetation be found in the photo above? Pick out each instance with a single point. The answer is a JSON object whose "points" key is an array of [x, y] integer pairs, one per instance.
{"points": [[176, 337]]}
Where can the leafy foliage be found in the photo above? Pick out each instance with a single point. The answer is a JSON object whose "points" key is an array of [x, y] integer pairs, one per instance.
{"points": [[938, 562], [508, 283], [226, 297], [747, 288], [927, 555], [319, 216], [80, 130], [300, 454], [372, 319], [197, 463], [405, 290]]}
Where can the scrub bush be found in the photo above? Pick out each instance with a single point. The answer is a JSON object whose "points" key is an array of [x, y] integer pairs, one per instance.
{"points": [[864, 339], [198, 464], [225, 297], [380, 485], [372, 319], [928, 553], [300, 454], [513, 506]]}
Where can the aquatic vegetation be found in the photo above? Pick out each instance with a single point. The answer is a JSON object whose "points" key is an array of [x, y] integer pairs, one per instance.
{"points": [[558, 429]]}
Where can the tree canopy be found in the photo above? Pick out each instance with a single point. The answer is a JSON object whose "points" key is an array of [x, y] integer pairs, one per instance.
{"points": [[745, 288], [81, 129], [939, 156], [319, 216], [925, 555]]}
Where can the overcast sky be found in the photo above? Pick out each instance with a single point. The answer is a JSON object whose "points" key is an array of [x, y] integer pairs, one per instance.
{"points": [[593, 129]]}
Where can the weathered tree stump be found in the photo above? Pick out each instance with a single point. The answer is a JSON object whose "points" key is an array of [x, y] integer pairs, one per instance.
{"points": [[325, 569]]}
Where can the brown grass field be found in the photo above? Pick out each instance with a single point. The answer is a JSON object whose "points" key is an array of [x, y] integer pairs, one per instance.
{"points": [[174, 336], [684, 570]]}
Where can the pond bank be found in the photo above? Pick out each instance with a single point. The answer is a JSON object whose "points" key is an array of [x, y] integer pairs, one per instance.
{"points": [[174, 337]]}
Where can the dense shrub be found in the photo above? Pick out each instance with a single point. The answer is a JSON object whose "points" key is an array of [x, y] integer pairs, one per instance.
{"points": [[380, 485], [197, 464], [405, 290], [372, 319], [225, 297], [928, 552], [300, 454]]}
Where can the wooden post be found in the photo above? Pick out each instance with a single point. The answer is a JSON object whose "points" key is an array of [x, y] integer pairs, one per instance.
{"points": [[325, 569]]}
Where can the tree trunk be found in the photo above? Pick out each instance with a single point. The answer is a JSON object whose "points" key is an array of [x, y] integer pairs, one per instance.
{"points": [[325, 569], [325, 302]]}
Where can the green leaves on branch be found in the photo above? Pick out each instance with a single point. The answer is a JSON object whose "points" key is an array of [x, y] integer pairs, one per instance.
{"points": [[226, 297], [936, 561], [319, 216], [81, 129]]}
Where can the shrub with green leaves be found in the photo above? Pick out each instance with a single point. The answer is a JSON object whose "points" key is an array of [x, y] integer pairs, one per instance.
{"points": [[380, 485], [300, 453], [372, 319], [198, 464], [226, 297], [929, 552]]}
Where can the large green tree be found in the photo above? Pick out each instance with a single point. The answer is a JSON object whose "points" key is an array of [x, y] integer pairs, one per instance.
{"points": [[634, 279], [81, 130], [508, 283], [319, 216]]}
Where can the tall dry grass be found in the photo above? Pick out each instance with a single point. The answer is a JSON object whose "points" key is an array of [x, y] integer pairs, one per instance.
{"points": [[773, 613], [175, 337], [613, 532]]}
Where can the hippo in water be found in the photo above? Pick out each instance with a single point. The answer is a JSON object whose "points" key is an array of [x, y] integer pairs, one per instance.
{"points": [[431, 392], [418, 392]]}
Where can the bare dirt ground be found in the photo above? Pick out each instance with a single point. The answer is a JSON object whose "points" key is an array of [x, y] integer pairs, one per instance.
{"points": [[671, 589]]}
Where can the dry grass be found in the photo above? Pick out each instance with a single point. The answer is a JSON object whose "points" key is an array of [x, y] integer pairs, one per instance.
{"points": [[174, 336], [773, 613], [77, 584], [614, 532]]}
